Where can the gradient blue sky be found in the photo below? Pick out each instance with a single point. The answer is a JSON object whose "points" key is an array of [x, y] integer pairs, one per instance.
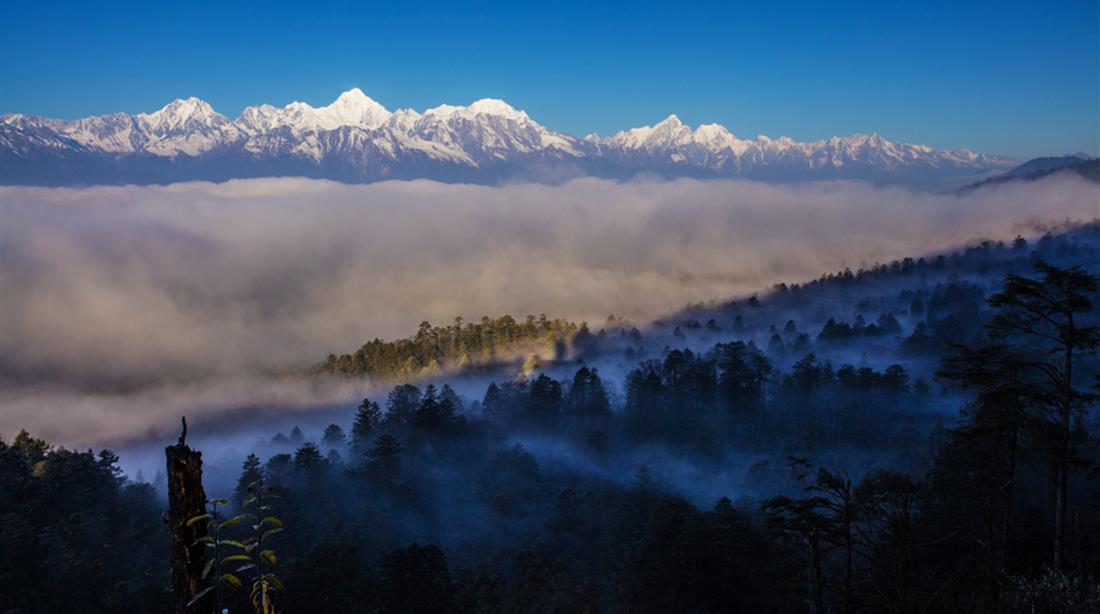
{"points": [[1019, 79]]}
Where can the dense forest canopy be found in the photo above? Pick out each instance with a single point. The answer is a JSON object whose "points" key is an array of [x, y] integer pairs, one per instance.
{"points": [[918, 436]]}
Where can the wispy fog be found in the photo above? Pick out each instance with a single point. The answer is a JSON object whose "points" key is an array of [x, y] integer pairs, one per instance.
{"points": [[121, 285]]}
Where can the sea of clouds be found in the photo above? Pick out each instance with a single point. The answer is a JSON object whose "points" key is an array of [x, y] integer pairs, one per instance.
{"points": [[109, 288]]}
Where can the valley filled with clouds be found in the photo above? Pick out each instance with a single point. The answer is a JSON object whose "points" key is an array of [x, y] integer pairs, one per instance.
{"points": [[111, 287]]}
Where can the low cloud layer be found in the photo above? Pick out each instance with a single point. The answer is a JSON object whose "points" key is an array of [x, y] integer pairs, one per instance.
{"points": [[132, 283]]}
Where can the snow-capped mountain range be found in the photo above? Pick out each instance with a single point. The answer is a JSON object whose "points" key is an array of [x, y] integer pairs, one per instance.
{"points": [[356, 139]]}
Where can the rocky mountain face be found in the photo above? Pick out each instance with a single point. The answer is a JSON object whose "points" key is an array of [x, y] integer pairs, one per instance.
{"points": [[355, 139]]}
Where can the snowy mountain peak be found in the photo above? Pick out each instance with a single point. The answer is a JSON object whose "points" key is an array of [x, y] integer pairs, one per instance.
{"points": [[351, 108], [495, 106], [354, 108], [764, 140], [671, 121], [669, 133], [486, 106], [182, 115], [353, 96], [715, 137], [182, 109], [354, 138], [873, 139], [191, 104], [712, 131]]}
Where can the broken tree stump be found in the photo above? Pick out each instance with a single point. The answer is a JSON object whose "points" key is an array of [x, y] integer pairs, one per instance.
{"points": [[186, 500]]}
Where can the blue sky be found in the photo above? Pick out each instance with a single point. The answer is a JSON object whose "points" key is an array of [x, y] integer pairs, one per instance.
{"points": [[1019, 79]]}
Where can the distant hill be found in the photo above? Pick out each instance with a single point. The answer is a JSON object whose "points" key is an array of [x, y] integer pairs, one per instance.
{"points": [[1037, 168], [1047, 164]]}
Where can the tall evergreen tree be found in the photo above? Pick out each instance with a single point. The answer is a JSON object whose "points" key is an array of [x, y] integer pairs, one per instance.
{"points": [[982, 456], [368, 418], [402, 403], [429, 415], [545, 400], [491, 403], [1046, 314], [251, 471], [742, 377], [448, 395], [333, 437], [385, 460], [587, 395]]}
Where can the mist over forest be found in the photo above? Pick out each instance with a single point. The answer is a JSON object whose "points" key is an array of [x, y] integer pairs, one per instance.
{"points": [[649, 396], [137, 304]]}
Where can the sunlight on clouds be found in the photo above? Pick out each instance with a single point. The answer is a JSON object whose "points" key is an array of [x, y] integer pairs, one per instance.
{"points": [[133, 283]]}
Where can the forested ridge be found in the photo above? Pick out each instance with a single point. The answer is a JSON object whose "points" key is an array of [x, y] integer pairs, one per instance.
{"points": [[919, 436], [435, 348]]}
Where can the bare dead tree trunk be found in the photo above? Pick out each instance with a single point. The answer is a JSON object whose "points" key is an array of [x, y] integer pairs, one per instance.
{"points": [[186, 500]]}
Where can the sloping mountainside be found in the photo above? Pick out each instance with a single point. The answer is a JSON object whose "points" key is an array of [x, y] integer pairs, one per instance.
{"points": [[1037, 168], [1047, 164], [903, 438], [355, 139], [904, 311]]}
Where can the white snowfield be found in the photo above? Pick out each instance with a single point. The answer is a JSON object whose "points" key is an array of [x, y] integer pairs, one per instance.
{"points": [[357, 133]]}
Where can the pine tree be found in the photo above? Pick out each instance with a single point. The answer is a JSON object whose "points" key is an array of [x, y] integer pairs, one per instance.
{"points": [[980, 459], [742, 376], [333, 437], [368, 418], [448, 395], [428, 415], [545, 399], [251, 471], [308, 457], [1044, 314], [402, 404], [385, 460], [587, 395], [33, 448], [491, 404]]}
